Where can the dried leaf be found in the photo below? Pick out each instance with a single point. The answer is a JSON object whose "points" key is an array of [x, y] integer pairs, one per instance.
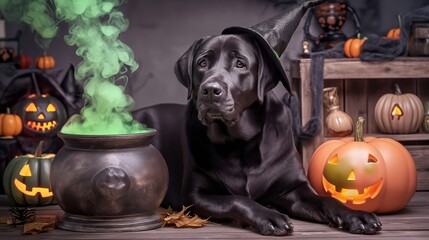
{"points": [[38, 227], [193, 222], [182, 219], [166, 212]]}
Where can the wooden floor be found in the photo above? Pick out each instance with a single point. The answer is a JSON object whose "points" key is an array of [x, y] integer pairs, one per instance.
{"points": [[410, 223]]}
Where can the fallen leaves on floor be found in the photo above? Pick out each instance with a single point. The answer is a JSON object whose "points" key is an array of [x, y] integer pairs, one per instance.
{"points": [[182, 219], [41, 224], [38, 227]]}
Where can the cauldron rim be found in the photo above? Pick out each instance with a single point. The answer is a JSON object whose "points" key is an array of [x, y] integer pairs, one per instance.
{"points": [[107, 141]]}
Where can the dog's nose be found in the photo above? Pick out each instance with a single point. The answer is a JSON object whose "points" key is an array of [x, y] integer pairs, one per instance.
{"points": [[212, 90]]}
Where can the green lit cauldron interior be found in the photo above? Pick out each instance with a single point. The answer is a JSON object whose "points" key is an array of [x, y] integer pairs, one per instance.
{"points": [[109, 182]]}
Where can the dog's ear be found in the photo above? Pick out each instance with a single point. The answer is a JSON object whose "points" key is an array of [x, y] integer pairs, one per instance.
{"points": [[268, 74], [183, 66]]}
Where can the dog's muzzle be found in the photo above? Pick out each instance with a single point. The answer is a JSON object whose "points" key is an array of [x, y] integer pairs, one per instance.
{"points": [[214, 102]]}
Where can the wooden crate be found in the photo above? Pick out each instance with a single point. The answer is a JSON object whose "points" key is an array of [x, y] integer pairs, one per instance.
{"points": [[360, 85]]}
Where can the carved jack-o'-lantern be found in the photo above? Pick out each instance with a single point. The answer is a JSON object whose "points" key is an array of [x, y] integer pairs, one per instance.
{"points": [[26, 179], [398, 113], [42, 115], [371, 174]]}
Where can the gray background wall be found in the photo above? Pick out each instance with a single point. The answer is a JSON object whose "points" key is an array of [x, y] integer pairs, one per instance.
{"points": [[161, 31]]}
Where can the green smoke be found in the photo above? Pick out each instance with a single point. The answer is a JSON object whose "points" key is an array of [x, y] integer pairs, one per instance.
{"points": [[94, 29], [35, 13]]}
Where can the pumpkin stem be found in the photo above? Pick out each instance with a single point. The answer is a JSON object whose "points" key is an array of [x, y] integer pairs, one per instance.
{"points": [[397, 89], [39, 149], [7, 110], [359, 129], [36, 86], [399, 20]]}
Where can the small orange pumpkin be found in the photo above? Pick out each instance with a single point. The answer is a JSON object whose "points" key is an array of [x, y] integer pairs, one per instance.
{"points": [[45, 62], [10, 124], [24, 61], [393, 33], [370, 174], [353, 47]]}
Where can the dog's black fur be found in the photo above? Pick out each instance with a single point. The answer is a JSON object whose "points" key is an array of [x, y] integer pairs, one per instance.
{"points": [[246, 166]]}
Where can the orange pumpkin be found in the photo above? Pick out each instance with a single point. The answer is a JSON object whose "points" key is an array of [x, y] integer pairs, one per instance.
{"points": [[353, 47], [24, 61], [45, 62], [370, 174], [10, 124], [393, 33]]}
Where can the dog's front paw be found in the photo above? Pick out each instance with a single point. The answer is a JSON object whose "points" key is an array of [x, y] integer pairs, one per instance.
{"points": [[358, 222], [271, 222]]}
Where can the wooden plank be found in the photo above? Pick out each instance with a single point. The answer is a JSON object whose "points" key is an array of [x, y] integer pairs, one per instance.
{"points": [[356, 100], [420, 154], [340, 68], [422, 90], [415, 137]]}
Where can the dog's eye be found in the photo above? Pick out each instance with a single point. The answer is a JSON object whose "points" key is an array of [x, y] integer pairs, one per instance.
{"points": [[240, 64], [202, 63]]}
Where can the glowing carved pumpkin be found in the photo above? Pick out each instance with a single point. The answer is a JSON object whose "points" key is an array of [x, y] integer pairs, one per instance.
{"points": [[398, 113], [371, 174], [26, 179], [42, 115]]}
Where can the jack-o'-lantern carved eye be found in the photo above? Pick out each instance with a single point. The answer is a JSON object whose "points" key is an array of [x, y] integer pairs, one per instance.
{"points": [[31, 108], [372, 159], [25, 171], [334, 159], [51, 108]]}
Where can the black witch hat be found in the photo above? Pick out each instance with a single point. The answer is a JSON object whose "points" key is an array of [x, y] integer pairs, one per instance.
{"points": [[274, 34]]}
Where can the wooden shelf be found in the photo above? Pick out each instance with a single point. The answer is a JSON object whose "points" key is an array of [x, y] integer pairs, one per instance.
{"points": [[360, 85], [397, 137]]}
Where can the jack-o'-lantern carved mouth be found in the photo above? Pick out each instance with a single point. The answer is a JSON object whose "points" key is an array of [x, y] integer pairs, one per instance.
{"points": [[44, 192], [42, 126], [356, 196], [22, 187]]}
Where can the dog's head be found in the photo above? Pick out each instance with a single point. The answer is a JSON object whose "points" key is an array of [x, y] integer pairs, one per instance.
{"points": [[225, 75]]}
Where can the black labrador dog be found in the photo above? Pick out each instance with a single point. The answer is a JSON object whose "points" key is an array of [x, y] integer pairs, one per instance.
{"points": [[240, 137]]}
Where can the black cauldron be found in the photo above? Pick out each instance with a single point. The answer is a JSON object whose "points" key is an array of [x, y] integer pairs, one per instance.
{"points": [[109, 183]]}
